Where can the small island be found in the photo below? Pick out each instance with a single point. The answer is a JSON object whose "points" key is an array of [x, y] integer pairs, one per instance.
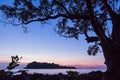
{"points": [[45, 65]]}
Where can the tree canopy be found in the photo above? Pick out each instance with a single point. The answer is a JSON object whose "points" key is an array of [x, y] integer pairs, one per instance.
{"points": [[73, 17]]}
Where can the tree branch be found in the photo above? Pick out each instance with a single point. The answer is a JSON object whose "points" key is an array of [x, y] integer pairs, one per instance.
{"points": [[115, 21], [109, 9], [91, 39], [96, 25], [60, 4], [12, 23], [57, 16]]}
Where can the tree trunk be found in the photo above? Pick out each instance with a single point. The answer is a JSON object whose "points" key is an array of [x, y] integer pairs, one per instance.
{"points": [[111, 53]]}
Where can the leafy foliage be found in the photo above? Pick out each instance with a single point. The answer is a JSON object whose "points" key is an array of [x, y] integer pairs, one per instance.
{"points": [[6, 74], [74, 17], [93, 49], [14, 63], [72, 75]]}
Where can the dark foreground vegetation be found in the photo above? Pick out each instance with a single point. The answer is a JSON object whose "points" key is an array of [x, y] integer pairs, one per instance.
{"points": [[71, 75]]}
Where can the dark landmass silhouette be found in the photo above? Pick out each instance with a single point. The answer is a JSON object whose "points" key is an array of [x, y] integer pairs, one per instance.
{"points": [[45, 65]]}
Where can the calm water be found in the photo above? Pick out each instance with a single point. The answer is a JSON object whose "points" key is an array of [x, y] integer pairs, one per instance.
{"points": [[56, 71]]}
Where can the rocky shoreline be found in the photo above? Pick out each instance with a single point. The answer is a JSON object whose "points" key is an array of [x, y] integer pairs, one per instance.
{"points": [[71, 75]]}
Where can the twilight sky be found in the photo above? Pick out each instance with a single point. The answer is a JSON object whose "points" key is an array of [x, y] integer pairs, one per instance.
{"points": [[42, 44]]}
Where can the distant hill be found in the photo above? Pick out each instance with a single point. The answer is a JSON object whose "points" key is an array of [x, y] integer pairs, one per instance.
{"points": [[45, 65]]}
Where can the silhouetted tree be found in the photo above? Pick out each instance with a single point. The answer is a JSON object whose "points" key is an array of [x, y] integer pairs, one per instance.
{"points": [[77, 17], [6, 74], [14, 63]]}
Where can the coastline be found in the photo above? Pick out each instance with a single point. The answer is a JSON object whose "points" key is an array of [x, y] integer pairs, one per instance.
{"points": [[71, 75]]}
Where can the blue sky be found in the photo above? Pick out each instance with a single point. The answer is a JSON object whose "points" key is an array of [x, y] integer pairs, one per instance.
{"points": [[42, 44]]}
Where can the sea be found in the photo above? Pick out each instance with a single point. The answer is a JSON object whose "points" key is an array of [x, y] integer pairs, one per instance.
{"points": [[57, 71]]}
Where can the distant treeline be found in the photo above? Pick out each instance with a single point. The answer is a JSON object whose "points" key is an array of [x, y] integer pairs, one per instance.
{"points": [[45, 65]]}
